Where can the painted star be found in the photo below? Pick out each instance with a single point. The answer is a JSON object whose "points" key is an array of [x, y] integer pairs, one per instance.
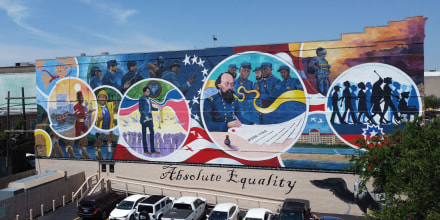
{"points": [[194, 59], [199, 92], [201, 63], [205, 71], [195, 100], [186, 60], [196, 117], [204, 78]]}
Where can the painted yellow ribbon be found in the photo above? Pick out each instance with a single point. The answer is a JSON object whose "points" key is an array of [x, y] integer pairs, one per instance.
{"points": [[291, 95]]}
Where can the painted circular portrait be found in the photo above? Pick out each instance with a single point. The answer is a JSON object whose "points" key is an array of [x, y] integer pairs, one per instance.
{"points": [[107, 110], [71, 108], [153, 126], [371, 99], [43, 144], [254, 105]]}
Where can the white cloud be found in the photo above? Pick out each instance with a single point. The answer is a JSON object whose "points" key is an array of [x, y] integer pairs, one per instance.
{"points": [[115, 11], [19, 13], [15, 11]]}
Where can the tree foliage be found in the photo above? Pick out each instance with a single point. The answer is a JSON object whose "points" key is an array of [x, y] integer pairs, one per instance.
{"points": [[432, 101], [405, 167]]}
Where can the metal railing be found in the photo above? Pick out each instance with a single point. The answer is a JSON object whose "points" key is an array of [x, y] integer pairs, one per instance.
{"points": [[262, 202], [88, 183]]}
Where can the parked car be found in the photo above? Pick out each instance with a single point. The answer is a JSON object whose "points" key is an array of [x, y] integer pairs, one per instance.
{"points": [[153, 207], [294, 209], [126, 209], [98, 205], [259, 214], [30, 159], [187, 208], [224, 211]]}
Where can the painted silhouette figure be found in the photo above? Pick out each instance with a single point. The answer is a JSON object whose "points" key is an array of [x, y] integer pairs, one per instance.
{"points": [[388, 101], [362, 105], [354, 101], [335, 107], [376, 100], [405, 110], [347, 98]]}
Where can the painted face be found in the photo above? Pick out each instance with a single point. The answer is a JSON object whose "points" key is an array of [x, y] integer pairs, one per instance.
{"points": [[258, 74], [285, 74], [114, 69], [266, 71], [102, 99], [147, 92], [80, 99], [227, 83], [244, 73], [134, 68], [98, 74], [175, 69]]}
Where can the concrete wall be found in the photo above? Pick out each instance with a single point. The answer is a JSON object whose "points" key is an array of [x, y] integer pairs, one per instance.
{"points": [[248, 187]]}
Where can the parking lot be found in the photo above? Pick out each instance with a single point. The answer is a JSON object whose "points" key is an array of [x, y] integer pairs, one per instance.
{"points": [[69, 212]]}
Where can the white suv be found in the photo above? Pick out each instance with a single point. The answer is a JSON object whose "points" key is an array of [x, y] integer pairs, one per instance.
{"points": [[126, 208], [153, 207]]}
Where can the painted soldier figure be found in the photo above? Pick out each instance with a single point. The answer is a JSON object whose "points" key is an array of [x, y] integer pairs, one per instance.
{"points": [[221, 111]]}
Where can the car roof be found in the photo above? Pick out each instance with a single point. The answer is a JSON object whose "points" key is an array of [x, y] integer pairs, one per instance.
{"points": [[224, 207], [188, 199], [256, 212], [295, 204], [135, 197], [153, 199]]}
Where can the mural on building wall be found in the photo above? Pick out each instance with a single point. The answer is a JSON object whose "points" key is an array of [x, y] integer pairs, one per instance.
{"points": [[295, 105]]}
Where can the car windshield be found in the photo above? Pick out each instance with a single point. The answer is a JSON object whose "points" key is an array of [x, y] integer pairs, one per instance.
{"points": [[125, 205], [182, 206], [291, 215], [87, 204], [145, 208], [216, 215]]}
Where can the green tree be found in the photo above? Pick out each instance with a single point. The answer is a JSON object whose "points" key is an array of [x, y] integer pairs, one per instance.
{"points": [[432, 101], [405, 167]]}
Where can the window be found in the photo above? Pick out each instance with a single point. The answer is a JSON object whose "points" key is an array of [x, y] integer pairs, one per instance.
{"points": [[103, 167], [111, 168]]}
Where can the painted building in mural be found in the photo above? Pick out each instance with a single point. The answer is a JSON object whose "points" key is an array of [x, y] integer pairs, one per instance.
{"points": [[259, 105]]}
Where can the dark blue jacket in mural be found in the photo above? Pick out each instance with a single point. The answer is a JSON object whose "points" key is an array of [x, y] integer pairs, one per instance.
{"points": [[217, 113]]}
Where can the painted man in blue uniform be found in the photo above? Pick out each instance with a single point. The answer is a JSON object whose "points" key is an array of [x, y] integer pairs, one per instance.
{"points": [[270, 89], [322, 69], [232, 69], [95, 80], [288, 83], [270, 86], [246, 100], [257, 85], [171, 76], [112, 77], [130, 77], [146, 109], [221, 111]]}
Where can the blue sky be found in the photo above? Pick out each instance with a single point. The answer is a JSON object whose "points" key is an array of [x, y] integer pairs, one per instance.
{"points": [[44, 29]]}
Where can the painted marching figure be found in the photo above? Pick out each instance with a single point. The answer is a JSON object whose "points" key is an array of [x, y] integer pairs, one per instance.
{"points": [[146, 108], [376, 100], [388, 93], [322, 70], [347, 100], [362, 105], [335, 106]]}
